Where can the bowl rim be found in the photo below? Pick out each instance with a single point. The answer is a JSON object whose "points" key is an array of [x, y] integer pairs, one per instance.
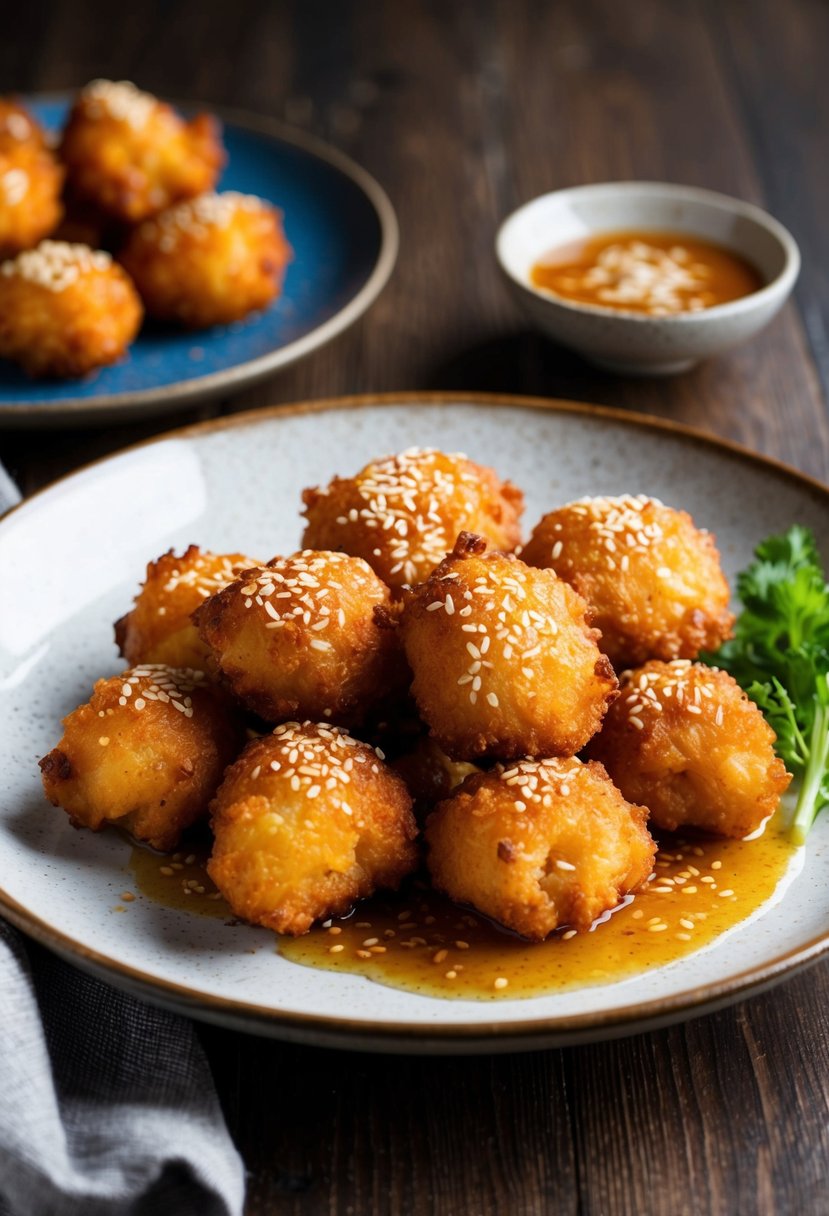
{"points": [[777, 288]]}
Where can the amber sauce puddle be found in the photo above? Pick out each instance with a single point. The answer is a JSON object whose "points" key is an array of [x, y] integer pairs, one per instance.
{"points": [[657, 273], [419, 941]]}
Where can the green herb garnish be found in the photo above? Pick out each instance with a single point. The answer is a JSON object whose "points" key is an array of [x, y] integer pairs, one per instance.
{"points": [[780, 656]]}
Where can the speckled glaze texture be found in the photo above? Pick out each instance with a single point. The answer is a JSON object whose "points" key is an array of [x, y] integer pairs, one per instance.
{"points": [[343, 234], [634, 342], [236, 486]]}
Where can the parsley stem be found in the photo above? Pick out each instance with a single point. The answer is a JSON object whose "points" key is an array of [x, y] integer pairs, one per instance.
{"points": [[808, 803]]}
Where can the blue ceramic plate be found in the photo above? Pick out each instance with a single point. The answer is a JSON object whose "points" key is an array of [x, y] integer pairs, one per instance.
{"points": [[343, 233]]}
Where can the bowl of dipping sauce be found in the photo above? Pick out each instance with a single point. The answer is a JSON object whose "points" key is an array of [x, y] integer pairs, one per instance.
{"points": [[647, 278]]}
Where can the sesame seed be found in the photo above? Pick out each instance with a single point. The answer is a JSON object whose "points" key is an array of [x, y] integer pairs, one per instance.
{"points": [[501, 982], [56, 265]]}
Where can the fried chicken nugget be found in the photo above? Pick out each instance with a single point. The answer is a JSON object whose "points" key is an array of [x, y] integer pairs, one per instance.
{"points": [[30, 181], [307, 636], [403, 514], [65, 310], [652, 578], [158, 629], [210, 260], [539, 845], [147, 752], [505, 663], [306, 822], [685, 740], [132, 155]]}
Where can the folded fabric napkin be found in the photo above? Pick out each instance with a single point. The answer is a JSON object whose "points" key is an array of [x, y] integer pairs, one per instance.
{"points": [[107, 1105]]}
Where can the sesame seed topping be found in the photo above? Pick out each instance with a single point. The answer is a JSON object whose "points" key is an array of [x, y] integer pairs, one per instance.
{"points": [[55, 265], [118, 99], [406, 496], [157, 682], [196, 217]]}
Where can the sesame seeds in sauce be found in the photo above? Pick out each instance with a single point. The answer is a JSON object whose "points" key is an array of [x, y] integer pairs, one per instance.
{"points": [[158, 683], [317, 758], [197, 216], [403, 499], [55, 265], [644, 693], [670, 918], [296, 590], [119, 99]]}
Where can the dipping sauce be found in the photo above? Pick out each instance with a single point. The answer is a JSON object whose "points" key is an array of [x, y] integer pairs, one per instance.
{"points": [[657, 273], [418, 940]]}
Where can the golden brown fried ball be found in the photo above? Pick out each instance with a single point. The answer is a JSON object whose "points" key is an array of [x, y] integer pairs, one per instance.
{"points": [[209, 261], [685, 740], [159, 629], [307, 821], [653, 580], [65, 310], [148, 752], [307, 636], [30, 181], [132, 155], [403, 514], [542, 844], [504, 661]]}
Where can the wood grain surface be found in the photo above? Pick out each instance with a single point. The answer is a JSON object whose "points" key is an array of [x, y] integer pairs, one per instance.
{"points": [[462, 111]]}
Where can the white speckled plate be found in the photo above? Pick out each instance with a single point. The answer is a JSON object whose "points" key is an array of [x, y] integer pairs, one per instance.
{"points": [[71, 558]]}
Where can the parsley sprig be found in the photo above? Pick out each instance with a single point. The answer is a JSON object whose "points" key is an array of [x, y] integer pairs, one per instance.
{"points": [[780, 656]]}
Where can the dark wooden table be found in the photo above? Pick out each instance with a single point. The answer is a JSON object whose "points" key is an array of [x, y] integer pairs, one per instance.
{"points": [[463, 110]]}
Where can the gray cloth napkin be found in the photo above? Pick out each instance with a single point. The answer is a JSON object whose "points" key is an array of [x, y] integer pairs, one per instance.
{"points": [[107, 1105]]}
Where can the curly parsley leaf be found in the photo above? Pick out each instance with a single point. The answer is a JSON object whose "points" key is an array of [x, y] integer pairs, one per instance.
{"points": [[780, 655]]}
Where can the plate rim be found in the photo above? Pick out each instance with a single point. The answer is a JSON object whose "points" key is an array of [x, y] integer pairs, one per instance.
{"points": [[145, 402], [503, 1034]]}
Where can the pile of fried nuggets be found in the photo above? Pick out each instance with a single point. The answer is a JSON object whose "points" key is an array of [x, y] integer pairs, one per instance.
{"points": [[409, 619], [129, 177]]}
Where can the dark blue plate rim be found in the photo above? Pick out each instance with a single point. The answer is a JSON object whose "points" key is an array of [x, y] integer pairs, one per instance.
{"points": [[129, 405]]}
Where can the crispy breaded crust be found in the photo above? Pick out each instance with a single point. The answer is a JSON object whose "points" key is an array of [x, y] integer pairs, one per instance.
{"points": [[685, 740], [505, 663], [158, 629], [539, 845], [209, 261], [653, 579], [307, 821], [403, 514], [132, 155], [300, 638], [65, 310], [147, 752]]}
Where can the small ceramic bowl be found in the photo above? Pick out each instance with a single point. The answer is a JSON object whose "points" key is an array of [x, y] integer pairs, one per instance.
{"points": [[636, 343]]}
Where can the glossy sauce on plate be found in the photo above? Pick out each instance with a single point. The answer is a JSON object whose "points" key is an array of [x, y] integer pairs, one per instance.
{"points": [[420, 941], [656, 273]]}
